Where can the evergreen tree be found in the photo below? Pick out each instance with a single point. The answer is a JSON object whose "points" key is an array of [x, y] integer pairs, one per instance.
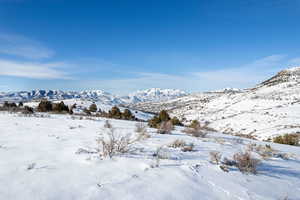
{"points": [[115, 113], [127, 115], [93, 107]]}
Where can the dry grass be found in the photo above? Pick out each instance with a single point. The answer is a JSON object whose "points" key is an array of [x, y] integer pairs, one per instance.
{"points": [[265, 151], [245, 162], [165, 127], [177, 143], [196, 132], [141, 129], [215, 157]]}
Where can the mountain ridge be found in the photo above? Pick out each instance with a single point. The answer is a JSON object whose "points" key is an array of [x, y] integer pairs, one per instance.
{"points": [[153, 94]]}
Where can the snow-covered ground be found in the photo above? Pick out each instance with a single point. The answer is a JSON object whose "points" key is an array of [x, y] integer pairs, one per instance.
{"points": [[267, 110], [81, 104], [39, 161]]}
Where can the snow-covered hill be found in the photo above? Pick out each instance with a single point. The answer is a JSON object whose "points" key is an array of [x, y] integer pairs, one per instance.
{"points": [[154, 94], [55, 157], [270, 108]]}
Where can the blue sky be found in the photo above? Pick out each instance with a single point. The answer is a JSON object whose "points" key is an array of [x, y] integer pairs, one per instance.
{"points": [[125, 45]]}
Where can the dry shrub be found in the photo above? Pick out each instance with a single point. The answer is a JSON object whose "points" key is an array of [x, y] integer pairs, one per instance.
{"points": [[114, 144], [107, 124], [248, 136], [189, 147], [265, 151], [159, 154], [177, 144], [196, 132], [196, 129], [245, 162], [290, 139], [141, 129], [165, 127], [220, 140], [224, 168], [238, 140], [250, 147], [284, 156], [228, 162], [215, 157]]}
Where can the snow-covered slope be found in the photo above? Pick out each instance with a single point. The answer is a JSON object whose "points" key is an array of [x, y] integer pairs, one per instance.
{"points": [[41, 159], [270, 108], [154, 94]]}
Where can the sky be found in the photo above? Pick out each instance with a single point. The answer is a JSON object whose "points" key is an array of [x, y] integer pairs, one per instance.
{"points": [[125, 45]]}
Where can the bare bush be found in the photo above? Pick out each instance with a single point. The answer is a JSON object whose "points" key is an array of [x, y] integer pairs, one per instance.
{"points": [[159, 154], [219, 140], [107, 124], [228, 162], [165, 127], [196, 131], [177, 144], [215, 157], [114, 144], [189, 147], [140, 127], [265, 151], [245, 162]]}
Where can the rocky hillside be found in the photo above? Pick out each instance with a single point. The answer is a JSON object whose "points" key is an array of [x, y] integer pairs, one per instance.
{"points": [[266, 110]]}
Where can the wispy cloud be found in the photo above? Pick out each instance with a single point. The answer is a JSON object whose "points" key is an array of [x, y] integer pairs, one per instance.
{"points": [[17, 45], [34, 70]]}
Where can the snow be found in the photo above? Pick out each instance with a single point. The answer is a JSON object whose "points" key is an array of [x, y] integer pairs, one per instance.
{"points": [[82, 104], [39, 161], [267, 110], [293, 69], [153, 94]]}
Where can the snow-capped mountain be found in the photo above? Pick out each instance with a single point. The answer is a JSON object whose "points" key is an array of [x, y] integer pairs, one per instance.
{"points": [[268, 109], [154, 94]]}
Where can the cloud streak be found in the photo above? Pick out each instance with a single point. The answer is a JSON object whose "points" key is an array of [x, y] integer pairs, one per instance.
{"points": [[32, 70], [17, 45]]}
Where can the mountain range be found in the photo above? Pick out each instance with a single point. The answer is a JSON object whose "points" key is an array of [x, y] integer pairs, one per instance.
{"points": [[153, 94]]}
